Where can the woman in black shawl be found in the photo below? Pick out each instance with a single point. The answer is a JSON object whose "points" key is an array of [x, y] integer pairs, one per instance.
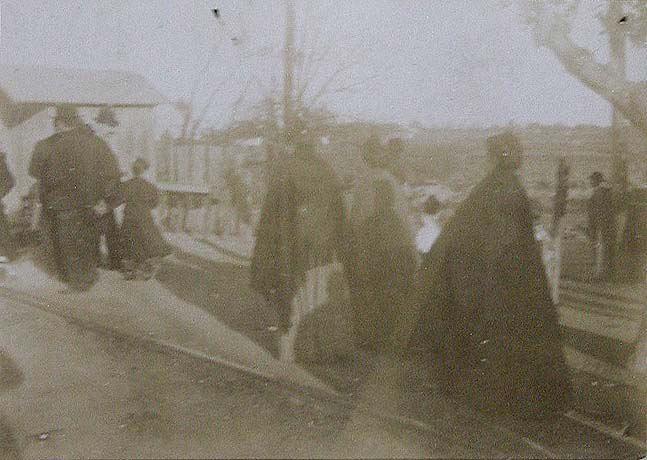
{"points": [[300, 238], [486, 312], [142, 241]]}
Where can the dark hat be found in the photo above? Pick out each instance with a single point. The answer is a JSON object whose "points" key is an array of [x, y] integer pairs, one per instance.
{"points": [[431, 205], [298, 131], [106, 116], [140, 165], [373, 152], [505, 148], [395, 144], [68, 115], [597, 177]]}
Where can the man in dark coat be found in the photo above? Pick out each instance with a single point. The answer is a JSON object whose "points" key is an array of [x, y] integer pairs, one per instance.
{"points": [[602, 227], [107, 223], [302, 225], [76, 179], [7, 245], [486, 316]]}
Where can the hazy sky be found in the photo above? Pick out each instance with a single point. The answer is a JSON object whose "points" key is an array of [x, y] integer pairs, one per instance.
{"points": [[460, 62]]}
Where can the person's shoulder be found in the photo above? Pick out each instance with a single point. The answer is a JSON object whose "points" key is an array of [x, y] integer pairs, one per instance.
{"points": [[51, 139]]}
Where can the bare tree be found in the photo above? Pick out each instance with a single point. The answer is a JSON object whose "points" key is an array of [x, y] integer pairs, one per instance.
{"points": [[551, 23]]}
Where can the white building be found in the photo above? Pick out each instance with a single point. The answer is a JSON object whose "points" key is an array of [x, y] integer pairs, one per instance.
{"points": [[29, 95]]}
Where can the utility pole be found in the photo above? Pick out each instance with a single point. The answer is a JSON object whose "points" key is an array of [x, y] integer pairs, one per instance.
{"points": [[288, 65], [617, 44], [618, 62]]}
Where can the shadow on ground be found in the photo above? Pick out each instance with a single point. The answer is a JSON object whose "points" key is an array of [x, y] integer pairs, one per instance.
{"points": [[223, 290]]}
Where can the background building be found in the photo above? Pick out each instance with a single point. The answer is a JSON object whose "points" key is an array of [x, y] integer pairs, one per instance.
{"points": [[28, 96]]}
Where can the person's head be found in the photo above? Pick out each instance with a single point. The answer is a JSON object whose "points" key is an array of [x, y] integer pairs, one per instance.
{"points": [[139, 167], [431, 206], [372, 153], [67, 117], [298, 133], [505, 151], [596, 178], [107, 117], [107, 121]]}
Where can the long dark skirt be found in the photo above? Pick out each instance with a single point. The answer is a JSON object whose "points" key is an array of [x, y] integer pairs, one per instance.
{"points": [[385, 271], [141, 238], [70, 240]]}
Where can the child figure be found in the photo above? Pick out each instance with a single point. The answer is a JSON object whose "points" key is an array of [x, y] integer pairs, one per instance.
{"points": [[143, 243]]}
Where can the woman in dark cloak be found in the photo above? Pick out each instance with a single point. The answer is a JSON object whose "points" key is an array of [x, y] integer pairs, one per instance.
{"points": [[388, 268], [301, 237], [383, 250], [142, 241], [486, 317]]}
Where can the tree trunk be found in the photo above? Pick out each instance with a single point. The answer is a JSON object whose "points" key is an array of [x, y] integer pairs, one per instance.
{"points": [[628, 98]]}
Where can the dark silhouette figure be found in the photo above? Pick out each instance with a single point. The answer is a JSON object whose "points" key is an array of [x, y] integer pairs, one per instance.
{"points": [[142, 242], [486, 316], [602, 226]]}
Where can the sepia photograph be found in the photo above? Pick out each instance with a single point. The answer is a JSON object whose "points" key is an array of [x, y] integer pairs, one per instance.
{"points": [[323, 229]]}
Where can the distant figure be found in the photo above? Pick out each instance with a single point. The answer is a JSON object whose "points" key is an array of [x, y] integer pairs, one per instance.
{"points": [[388, 264], [108, 226], [142, 242], [487, 319], [239, 200], [7, 244], [602, 228], [76, 179], [301, 240], [635, 238], [384, 250]]}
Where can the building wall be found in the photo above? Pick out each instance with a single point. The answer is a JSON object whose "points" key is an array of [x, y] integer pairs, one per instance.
{"points": [[132, 138], [19, 143]]}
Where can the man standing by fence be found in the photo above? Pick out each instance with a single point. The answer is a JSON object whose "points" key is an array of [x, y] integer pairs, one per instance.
{"points": [[602, 228], [108, 227]]}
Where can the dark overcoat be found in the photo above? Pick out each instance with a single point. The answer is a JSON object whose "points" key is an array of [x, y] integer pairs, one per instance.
{"points": [[141, 238], [385, 265], [75, 170], [302, 225], [486, 316]]}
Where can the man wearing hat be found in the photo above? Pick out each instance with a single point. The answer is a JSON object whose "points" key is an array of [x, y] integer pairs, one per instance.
{"points": [[77, 175], [108, 227], [602, 229], [485, 314]]}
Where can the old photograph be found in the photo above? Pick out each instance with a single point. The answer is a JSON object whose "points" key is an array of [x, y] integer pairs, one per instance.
{"points": [[323, 229]]}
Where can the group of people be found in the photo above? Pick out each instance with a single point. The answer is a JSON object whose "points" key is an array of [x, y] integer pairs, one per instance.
{"points": [[617, 228], [79, 186], [472, 297]]}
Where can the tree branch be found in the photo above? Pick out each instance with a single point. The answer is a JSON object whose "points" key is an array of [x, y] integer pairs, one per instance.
{"points": [[552, 32]]}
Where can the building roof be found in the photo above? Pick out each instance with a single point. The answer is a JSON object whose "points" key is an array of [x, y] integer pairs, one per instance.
{"points": [[36, 85]]}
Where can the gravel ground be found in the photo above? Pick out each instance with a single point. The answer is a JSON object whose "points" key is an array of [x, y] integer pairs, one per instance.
{"points": [[89, 395]]}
